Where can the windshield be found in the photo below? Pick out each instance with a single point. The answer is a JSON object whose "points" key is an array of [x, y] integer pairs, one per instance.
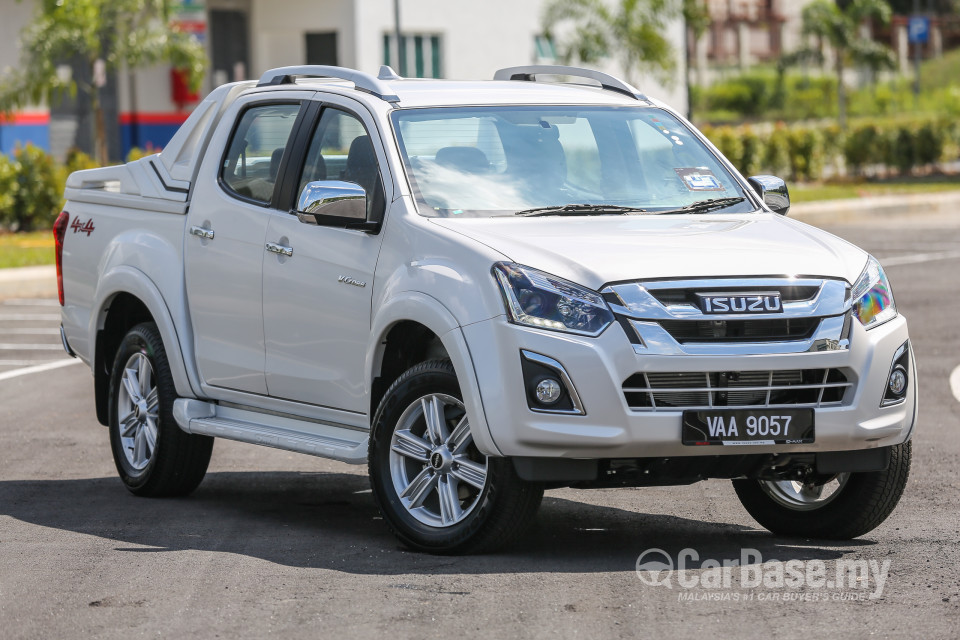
{"points": [[489, 161]]}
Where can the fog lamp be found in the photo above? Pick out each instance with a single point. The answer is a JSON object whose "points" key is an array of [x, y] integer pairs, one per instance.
{"points": [[548, 391]]}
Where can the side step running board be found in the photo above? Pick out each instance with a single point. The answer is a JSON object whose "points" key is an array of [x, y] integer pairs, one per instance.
{"points": [[280, 432]]}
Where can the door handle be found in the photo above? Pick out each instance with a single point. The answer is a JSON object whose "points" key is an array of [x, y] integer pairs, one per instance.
{"points": [[279, 249], [201, 232]]}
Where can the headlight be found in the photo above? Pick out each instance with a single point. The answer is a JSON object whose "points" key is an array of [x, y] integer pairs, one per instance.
{"points": [[871, 295], [537, 299]]}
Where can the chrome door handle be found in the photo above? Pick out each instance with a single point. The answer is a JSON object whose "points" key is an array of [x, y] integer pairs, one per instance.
{"points": [[279, 249], [201, 232]]}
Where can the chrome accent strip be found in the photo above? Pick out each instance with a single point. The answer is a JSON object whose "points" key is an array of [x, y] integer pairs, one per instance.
{"points": [[564, 378], [640, 304], [708, 389], [658, 341], [66, 345], [704, 407]]}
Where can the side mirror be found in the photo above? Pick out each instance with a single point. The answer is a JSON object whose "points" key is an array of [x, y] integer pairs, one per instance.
{"points": [[773, 191], [332, 202]]}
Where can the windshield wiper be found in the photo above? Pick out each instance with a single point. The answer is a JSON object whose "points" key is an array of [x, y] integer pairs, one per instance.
{"points": [[579, 210], [702, 206]]}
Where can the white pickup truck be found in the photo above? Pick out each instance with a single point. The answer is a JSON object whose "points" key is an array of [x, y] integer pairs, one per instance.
{"points": [[482, 290]]}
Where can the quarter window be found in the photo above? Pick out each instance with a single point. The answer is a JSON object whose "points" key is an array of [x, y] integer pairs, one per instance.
{"points": [[252, 164]]}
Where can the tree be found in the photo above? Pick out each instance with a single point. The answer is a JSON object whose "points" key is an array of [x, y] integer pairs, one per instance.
{"points": [[631, 30], [103, 36], [840, 28]]}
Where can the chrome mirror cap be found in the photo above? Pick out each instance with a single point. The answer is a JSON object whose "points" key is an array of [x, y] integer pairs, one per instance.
{"points": [[333, 198], [773, 191]]}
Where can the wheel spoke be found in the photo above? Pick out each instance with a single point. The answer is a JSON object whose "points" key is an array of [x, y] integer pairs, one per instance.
{"points": [[150, 435], [144, 371], [420, 487], [412, 446], [131, 384], [139, 449], [153, 402], [128, 425], [461, 437], [433, 415], [470, 472], [450, 510]]}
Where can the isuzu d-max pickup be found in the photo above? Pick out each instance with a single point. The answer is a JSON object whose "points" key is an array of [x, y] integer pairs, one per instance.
{"points": [[482, 290]]}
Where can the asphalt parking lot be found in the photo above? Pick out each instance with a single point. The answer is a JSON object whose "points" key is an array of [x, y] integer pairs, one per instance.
{"points": [[285, 545]]}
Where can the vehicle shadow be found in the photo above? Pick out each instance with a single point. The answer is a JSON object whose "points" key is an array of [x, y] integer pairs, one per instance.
{"points": [[329, 520]]}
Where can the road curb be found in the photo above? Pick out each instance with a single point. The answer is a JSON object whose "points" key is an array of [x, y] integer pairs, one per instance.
{"points": [[28, 282], [851, 210]]}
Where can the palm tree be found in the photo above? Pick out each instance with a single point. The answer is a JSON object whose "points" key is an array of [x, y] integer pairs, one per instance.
{"points": [[631, 30], [839, 26]]}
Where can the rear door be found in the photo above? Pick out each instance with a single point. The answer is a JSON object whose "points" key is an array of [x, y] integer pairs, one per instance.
{"points": [[316, 302], [224, 244]]}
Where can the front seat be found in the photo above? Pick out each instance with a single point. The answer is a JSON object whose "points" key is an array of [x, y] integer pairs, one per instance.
{"points": [[362, 169]]}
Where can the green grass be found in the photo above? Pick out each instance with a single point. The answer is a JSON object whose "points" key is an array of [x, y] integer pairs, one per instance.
{"points": [[939, 73], [841, 191], [26, 249]]}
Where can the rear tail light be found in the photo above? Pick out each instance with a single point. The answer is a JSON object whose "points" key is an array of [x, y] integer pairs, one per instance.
{"points": [[59, 230]]}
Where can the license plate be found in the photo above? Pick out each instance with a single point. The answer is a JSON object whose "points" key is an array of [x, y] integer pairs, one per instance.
{"points": [[733, 427]]}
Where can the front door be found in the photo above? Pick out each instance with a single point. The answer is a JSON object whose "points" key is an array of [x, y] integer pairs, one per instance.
{"points": [[224, 246], [316, 302]]}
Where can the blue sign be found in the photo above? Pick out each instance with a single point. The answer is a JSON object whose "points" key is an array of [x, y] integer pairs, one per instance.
{"points": [[918, 30]]}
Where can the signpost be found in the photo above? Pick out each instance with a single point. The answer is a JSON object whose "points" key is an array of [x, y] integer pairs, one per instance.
{"points": [[918, 34]]}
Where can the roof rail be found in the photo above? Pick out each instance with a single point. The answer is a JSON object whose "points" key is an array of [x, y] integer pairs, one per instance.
{"points": [[528, 73], [363, 81]]}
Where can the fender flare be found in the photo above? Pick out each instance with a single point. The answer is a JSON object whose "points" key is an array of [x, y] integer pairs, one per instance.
{"points": [[426, 310], [127, 279]]}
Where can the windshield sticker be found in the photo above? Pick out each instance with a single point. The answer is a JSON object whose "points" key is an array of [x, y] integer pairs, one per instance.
{"points": [[699, 179]]}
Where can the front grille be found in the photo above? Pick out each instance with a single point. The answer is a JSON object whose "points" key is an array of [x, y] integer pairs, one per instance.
{"points": [[703, 390], [788, 293], [684, 331]]}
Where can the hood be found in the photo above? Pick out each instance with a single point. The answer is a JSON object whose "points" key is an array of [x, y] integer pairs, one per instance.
{"points": [[596, 250]]}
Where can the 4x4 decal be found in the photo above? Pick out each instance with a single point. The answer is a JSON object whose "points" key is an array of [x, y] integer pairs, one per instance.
{"points": [[82, 227]]}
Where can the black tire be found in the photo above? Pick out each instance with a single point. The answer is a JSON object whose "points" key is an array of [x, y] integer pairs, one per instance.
{"points": [[860, 505], [178, 460], [498, 513]]}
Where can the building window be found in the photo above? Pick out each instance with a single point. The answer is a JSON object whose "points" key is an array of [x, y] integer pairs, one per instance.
{"points": [[544, 51], [322, 48], [420, 55]]}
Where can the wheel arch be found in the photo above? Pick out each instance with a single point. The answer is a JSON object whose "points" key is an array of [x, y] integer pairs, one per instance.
{"points": [[126, 297], [413, 327]]}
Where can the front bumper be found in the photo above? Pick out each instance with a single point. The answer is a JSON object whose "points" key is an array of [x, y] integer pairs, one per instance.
{"points": [[609, 428]]}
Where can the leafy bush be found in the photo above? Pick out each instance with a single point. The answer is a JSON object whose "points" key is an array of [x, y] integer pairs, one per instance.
{"points": [[860, 148], [8, 189], [805, 151], [36, 200]]}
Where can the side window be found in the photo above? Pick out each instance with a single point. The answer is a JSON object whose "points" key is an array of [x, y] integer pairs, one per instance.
{"points": [[253, 157], [341, 150]]}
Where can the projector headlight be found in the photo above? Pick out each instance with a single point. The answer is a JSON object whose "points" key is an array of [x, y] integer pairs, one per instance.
{"points": [[872, 297], [537, 299]]}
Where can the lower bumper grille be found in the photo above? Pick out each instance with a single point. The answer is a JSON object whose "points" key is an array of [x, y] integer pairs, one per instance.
{"points": [[704, 390]]}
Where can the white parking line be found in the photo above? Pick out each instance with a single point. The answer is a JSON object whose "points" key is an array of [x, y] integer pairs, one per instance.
{"points": [[56, 364], [917, 258], [22, 363], [32, 302], [955, 383], [29, 316], [31, 332], [12, 346]]}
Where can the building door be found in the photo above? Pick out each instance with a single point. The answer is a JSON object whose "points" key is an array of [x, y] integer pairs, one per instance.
{"points": [[231, 47], [322, 48]]}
